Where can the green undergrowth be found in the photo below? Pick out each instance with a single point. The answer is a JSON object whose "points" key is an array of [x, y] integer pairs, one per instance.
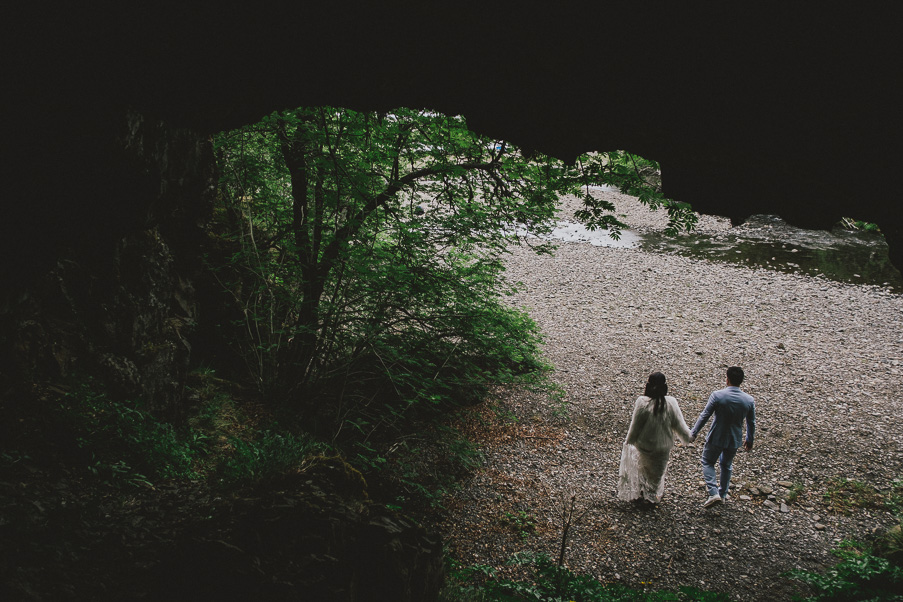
{"points": [[866, 571], [855, 224], [224, 442], [844, 495], [230, 442], [269, 454], [123, 443], [80, 430], [227, 441], [548, 582], [861, 575]]}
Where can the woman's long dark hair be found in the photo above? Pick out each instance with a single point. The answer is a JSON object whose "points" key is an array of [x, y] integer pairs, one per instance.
{"points": [[656, 389]]}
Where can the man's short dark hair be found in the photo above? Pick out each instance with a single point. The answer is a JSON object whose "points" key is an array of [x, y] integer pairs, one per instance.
{"points": [[735, 375]]}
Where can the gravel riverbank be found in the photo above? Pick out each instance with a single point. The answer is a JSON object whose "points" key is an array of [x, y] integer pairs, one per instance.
{"points": [[823, 359]]}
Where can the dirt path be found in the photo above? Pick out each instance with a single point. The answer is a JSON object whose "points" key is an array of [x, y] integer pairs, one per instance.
{"points": [[824, 361]]}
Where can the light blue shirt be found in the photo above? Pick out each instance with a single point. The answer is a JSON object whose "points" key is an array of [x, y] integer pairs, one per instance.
{"points": [[731, 407]]}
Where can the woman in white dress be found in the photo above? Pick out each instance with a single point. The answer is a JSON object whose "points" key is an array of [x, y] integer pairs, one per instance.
{"points": [[644, 458]]}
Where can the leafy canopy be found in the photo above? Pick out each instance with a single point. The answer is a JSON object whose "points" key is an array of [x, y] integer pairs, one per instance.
{"points": [[365, 251]]}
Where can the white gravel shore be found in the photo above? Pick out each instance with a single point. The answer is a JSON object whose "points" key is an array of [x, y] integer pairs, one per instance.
{"points": [[823, 360]]}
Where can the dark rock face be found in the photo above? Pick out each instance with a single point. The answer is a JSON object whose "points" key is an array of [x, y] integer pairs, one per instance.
{"points": [[123, 311], [108, 173], [750, 110]]}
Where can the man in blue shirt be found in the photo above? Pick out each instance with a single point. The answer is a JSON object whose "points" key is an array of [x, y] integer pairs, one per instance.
{"points": [[731, 407]]}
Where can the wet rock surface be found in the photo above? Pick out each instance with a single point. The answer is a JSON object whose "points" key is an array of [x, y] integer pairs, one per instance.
{"points": [[822, 360], [767, 241]]}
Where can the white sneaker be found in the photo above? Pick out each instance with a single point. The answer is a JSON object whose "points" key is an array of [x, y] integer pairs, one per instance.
{"points": [[715, 499]]}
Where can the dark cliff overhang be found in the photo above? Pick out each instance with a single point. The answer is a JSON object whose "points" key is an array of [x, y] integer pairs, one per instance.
{"points": [[762, 109]]}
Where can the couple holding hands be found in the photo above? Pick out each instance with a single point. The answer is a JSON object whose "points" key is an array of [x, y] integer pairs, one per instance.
{"points": [[657, 418]]}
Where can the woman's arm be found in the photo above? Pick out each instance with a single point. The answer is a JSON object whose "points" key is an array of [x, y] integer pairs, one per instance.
{"points": [[678, 424], [636, 424]]}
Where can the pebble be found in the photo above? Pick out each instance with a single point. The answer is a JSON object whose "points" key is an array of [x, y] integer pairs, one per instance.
{"points": [[816, 396]]}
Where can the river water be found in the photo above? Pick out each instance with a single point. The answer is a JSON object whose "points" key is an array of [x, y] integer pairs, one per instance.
{"points": [[766, 241]]}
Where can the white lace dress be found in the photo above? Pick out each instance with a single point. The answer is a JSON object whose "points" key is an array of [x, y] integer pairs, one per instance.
{"points": [[644, 457]]}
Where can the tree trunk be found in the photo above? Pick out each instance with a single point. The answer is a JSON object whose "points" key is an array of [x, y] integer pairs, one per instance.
{"points": [[306, 220]]}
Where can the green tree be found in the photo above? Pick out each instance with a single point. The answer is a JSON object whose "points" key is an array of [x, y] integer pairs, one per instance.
{"points": [[368, 249]]}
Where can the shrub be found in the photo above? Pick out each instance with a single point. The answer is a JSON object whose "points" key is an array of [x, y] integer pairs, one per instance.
{"points": [[793, 493], [860, 575], [890, 544], [119, 442], [271, 454], [843, 495], [552, 583], [521, 523], [855, 224]]}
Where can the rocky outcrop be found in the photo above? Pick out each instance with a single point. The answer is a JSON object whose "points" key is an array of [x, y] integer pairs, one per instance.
{"points": [[108, 171], [122, 309], [748, 110]]}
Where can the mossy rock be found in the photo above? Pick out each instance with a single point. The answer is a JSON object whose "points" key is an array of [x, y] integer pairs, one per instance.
{"points": [[334, 473], [890, 545]]}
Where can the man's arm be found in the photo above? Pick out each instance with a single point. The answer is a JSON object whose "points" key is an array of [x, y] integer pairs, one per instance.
{"points": [[750, 427], [704, 416]]}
